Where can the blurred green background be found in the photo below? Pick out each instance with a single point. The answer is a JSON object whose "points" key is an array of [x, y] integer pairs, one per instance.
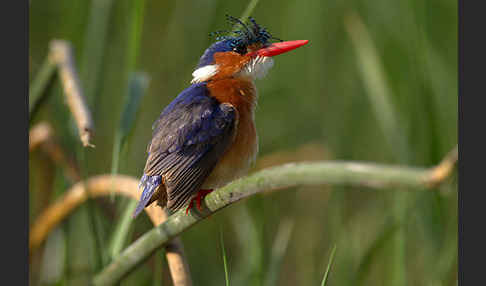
{"points": [[377, 82]]}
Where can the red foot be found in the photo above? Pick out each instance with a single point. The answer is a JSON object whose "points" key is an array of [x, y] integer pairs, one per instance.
{"points": [[189, 206], [200, 196]]}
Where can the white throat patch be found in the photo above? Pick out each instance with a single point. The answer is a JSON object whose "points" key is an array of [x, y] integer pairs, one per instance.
{"points": [[257, 67], [204, 73]]}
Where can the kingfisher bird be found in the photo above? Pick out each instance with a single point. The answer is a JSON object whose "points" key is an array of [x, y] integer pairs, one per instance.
{"points": [[206, 137]]}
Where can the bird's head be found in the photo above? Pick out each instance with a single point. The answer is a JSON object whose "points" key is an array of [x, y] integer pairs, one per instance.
{"points": [[245, 53]]}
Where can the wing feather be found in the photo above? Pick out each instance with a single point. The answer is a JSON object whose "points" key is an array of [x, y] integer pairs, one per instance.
{"points": [[188, 139]]}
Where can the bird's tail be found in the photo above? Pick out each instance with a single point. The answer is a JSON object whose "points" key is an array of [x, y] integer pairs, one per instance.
{"points": [[149, 184]]}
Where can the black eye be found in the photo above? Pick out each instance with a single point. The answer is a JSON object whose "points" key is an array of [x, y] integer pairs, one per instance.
{"points": [[240, 49]]}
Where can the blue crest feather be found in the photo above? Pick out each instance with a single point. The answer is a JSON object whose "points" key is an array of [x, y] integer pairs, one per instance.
{"points": [[236, 40]]}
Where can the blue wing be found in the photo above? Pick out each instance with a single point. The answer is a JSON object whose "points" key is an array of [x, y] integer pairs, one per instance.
{"points": [[188, 139]]}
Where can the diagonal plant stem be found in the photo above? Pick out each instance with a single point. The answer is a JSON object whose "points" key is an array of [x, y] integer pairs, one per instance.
{"points": [[62, 54], [95, 40], [40, 82], [331, 260], [41, 135], [137, 86], [102, 186], [316, 173], [380, 95], [377, 88], [249, 9], [225, 260], [289, 175], [174, 252], [60, 57], [279, 247]]}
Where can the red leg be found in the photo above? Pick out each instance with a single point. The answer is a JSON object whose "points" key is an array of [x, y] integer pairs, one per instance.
{"points": [[200, 196], [189, 206]]}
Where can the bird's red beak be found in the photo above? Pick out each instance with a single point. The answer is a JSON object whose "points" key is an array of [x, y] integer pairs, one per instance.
{"points": [[280, 48]]}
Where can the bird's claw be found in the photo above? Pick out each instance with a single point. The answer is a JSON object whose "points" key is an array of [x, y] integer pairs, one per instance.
{"points": [[201, 194]]}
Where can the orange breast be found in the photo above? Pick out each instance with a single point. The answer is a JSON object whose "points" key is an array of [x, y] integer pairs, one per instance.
{"points": [[242, 152]]}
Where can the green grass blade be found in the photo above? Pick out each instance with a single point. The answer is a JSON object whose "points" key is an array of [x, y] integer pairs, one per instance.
{"points": [[278, 250], [122, 229], [158, 266], [135, 33], [137, 87], [138, 84], [248, 234], [386, 234], [376, 86], [249, 9], [331, 259], [380, 95], [93, 216], [225, 264], [39, 84], [94, 46]]}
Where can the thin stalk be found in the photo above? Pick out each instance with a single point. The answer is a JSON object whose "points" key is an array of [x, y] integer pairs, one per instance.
{"points": [[94, 46], [137, 86], [158, 270], [249, 9], [376, 87], [225, 263], [136, 90], [135, 34], [120, 234], [380, 95], [305, 174], [331, 259], [289, 175], [279, 248], [388, 232], [101, 258], [40, 82]]}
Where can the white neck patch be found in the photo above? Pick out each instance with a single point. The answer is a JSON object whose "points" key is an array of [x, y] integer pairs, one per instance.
{"points": [[204, 73], [257, 67]]}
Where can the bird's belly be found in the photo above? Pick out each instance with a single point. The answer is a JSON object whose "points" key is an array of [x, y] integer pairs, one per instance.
{"points": [[238, 159]]}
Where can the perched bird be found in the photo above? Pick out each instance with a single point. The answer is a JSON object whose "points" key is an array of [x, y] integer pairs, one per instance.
{"points": [[206, 136]]}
